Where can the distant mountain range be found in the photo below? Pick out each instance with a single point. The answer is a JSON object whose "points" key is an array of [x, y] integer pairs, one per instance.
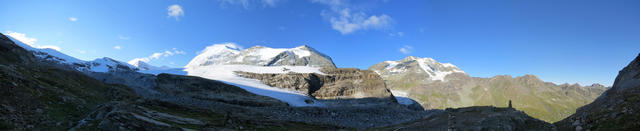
{"points": [[262, 87], [438, 85]]}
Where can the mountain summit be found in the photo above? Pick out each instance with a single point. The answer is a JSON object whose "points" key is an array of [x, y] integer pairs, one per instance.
{"points": [[232, 54], [415, 67]]}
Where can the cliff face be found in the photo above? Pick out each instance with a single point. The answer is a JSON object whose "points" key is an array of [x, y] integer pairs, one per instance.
{"points": [[334, 84]]}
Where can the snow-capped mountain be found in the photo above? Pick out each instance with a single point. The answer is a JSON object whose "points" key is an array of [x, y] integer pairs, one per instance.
{"points": [[98, 65], [141, 65], [428, 68], [144, 67], [231, 54], [218, 62], [221, 61]]}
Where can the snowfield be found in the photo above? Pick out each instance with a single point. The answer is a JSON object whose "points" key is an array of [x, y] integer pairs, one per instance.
{"points": [[230, 53], [225, 73], [428, 65], [98, 65]]}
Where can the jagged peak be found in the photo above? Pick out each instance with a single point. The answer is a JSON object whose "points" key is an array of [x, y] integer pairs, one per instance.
{"points": [[304, 46], [410, 58], [530, 77], [502, 76], [597, 85]]}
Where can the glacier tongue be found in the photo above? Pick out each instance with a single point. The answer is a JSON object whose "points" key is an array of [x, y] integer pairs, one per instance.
{"points": [[226, 73]]}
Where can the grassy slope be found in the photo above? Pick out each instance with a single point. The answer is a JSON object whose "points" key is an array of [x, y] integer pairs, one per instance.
{"points": [[543, 101]]}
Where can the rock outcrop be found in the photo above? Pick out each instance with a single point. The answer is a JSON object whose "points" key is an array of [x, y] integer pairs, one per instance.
{"points": [[334, 84]]}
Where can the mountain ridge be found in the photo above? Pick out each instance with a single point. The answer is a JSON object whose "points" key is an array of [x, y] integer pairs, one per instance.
{"points": [[546, 100], [229, 54]]}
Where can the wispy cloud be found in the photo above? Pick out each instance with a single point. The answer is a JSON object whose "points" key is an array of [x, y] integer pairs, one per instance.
{"points": [[157, 55], [175, 11], [398, 34], [405, 49], [271, 3], [73, 19], [247, 4], [117, 47], [30, 41], [123, 37], [346, 19]]}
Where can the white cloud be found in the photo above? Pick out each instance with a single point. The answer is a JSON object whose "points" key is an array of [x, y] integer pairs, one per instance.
{"points": [[50, 47], [157, 55], [82, 51], [117, 47], [175, 11], [406, 49], [123, 37], [73, 19], [346, 20], [30, 41]]}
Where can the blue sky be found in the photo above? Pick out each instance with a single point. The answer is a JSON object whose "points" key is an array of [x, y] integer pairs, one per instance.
{"points": [[560, 41]]}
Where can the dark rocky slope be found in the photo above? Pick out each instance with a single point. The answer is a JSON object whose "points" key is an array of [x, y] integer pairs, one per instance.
{"points": [[39, 95], [616, 109], [480, 118]]}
